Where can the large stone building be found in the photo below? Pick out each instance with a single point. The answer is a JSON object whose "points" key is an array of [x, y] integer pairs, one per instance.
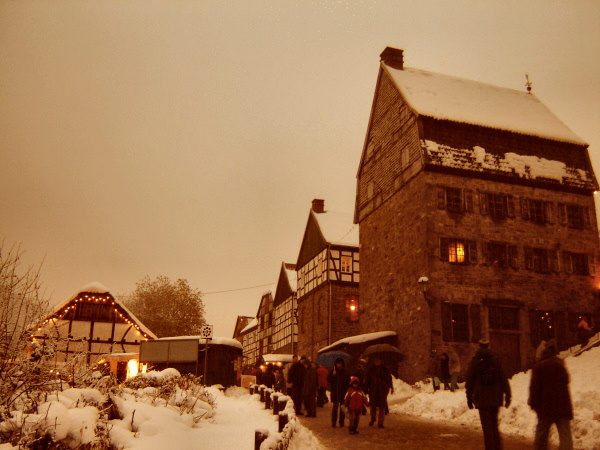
{"points": [[477, 219], [328, 269]]}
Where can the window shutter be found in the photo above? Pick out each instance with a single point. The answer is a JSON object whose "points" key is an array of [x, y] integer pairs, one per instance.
{"points": [[510, 206], [562, 213], [525, 208], [528, 258], [553, 257], [567, 262], [475, 313], [486, 253], [444, 249], [468, 200], [513, 256], [441, 197], [592, 265], [483, 206], [587, 222], [446, 321], [472, 246]]}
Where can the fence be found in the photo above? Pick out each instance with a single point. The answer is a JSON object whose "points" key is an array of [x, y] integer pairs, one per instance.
{"points": [[283, 407]]}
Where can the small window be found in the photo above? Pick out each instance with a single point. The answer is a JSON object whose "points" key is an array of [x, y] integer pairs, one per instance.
{"points": [[577, 263], [455, 322], [458, 251], [575, 216], [496, 206], [537, 260], [346, 264], [454, 200], [537, 212], [352, 308], [545, 324]]}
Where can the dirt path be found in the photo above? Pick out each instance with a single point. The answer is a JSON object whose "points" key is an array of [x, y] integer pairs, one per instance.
{"points": [[401, 432]]}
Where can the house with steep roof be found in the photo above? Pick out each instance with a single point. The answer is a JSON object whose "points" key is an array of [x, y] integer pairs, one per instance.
{"points": [[477, 220], [328, 271], [92, 323], [285, 328]]}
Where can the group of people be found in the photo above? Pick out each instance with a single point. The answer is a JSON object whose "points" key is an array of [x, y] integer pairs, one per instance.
{"points": [[307, 384], [445, 370], [488, 389]]}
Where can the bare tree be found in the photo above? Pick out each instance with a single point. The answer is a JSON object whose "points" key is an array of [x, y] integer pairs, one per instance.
{"points": [[168, 308]]}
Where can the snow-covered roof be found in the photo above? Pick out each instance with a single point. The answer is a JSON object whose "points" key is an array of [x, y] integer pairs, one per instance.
{"points": [[292, 278], [459, 100], [252, 324], [273, 357], [98, 288], [338, 228], [359, 339], [214, 341], [521, 166]]}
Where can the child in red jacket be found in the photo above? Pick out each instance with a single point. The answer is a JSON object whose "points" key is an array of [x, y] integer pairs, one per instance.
{"points": [[354, 401]]}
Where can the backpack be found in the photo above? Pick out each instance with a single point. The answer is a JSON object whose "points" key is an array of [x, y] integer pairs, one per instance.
{"points": [[487, 371]]}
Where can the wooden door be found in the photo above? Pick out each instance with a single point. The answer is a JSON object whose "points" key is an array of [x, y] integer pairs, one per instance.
{"points": [[506, 348]]}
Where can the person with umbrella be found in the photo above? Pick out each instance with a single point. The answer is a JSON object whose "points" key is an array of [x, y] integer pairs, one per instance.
{"points": [[378, 383], [339, 380]]}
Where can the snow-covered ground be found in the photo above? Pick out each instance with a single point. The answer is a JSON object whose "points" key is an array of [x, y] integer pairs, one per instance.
{"points": [[234, 416], [518, 419]]}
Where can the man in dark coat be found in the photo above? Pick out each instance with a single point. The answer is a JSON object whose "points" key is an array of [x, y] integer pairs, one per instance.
{"points": [[549, 397], [378, 382], [296, 383], [310, 389], [487, 387], [339, 380]]}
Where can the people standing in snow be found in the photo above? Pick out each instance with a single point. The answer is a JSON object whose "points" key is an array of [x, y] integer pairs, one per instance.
{"points": [[286, 371], [487, 389], [454, 369], [355, 400], [310, 388], [279, 385], [378, 383], [322, 373], [550, 398], [295, 383], [339, 380], [445, 370]]}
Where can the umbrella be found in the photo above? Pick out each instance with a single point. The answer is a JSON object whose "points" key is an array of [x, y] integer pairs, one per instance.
{"points": [[381, 348], [328, 358]]}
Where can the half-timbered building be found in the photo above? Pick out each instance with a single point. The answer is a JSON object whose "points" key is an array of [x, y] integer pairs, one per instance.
{"points": [[477, 219], [328, 270], [91, 323], [285, 329]]}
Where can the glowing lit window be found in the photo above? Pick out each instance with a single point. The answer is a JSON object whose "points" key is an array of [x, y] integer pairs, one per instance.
{"points": [[456, 252], [352, 308], [346, 264]]}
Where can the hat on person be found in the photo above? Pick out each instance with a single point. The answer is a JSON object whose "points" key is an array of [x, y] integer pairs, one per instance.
{"points": [[354, 380], [484, 343]]}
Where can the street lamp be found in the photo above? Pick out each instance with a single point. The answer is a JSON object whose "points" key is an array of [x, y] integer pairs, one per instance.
{"points": [[423, 285]]}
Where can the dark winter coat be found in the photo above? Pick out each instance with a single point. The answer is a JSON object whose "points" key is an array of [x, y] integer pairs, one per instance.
{"points": [[444, 367], [549, 393], [338, 380], [296, 376], [355, 399], [311, 382], [378, 382], [486, 390]]}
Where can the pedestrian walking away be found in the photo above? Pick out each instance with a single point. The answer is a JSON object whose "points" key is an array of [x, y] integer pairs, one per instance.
{"points": [[322, 373], [339, 380], [550, 398], [378, 383], [355, 401], [487, 390], [310, 388]]}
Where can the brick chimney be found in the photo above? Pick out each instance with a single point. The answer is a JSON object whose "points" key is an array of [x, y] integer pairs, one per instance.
{"points": [[393, 57], [318, 205]]}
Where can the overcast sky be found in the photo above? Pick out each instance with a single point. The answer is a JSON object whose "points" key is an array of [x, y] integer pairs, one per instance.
{"points": [[188, 138]]}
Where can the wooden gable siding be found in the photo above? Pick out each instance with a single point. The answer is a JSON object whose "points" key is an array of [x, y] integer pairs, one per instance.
{"points": [[392, 154], [283, 290], [313, 242]]}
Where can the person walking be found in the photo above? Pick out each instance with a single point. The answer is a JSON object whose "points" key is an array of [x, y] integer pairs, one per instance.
{"points": [[286, 372], [295, 384], [310, 388], [454, 370], [584, 332], [354, 401], [487, 387], [339, 380], [322, 373], [378, 383], [445, 370], [550, 398]]}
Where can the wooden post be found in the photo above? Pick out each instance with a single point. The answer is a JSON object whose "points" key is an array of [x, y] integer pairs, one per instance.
{"points": [[282, 404], [261, 390], [275, 402], [259, 437], [268, 398], [283, 420]]}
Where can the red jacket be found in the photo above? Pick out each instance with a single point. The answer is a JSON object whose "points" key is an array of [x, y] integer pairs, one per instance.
{"points": [[355, 398]]}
